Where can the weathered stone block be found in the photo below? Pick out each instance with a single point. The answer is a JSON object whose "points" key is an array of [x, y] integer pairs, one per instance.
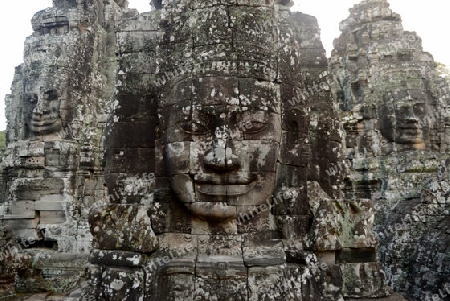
{"points": [[263, 252], [135, 108], [221, 277], [52, 198], [117, 258], [294, 226], [20, 223], [202, 33], [24, 208], [29, 189], [363, 280], [138, 24], [266, 283], [253, 219], [171, 279], [292, 195], [220, 245], [356, 255], [135, 135], [123, 284], [137, 41], [33, 162], [52, 217], [122, 227], [342, 224], [135, 160]]}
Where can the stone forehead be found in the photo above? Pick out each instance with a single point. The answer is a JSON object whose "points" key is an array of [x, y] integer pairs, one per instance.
{"points": [[44, 78], [236, 38], [407, 96], [230, 91], [192, 110], [53, 16]]}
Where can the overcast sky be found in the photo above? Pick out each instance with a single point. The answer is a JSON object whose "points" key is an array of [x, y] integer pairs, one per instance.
{"points": [[429, 19]]}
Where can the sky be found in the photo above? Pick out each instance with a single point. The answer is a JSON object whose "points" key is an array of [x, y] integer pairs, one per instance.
{"points": [[429, 19]]}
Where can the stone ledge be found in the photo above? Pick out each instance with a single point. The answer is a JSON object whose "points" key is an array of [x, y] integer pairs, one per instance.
{"points": [[393, 297]]}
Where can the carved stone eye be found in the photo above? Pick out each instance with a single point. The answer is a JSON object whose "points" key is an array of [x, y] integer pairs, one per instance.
{"points": [[254, 126], [32, 98], [194, 128], [419, 109], [51, 95]]}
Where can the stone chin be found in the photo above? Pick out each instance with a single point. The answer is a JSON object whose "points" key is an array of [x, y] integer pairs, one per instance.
{"points": [[216, 212], [409, 136], [410, 140]]}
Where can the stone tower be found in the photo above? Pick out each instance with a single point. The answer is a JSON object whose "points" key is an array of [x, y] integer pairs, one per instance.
{"points": [[394, 109], [52, 169]]}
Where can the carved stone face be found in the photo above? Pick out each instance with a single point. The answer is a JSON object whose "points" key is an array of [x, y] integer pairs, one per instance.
{"points": [[222, 143], [48, 56], [406, 117], [45, 115]]}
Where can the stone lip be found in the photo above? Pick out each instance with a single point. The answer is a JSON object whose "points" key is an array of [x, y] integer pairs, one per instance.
{"points": [[228, 185], [217, 211], [224, 190]]}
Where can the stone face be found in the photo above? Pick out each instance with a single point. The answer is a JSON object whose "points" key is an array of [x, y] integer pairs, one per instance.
{"points": [[393, 108], [234, 137]]}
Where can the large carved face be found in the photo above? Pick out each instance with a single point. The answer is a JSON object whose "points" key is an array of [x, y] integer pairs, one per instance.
{"points": [[221, 144], [43, 112], [406, 117], [48, 53]]}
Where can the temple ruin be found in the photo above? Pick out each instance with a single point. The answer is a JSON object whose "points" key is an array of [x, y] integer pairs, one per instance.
{"points": [[209, 150]]}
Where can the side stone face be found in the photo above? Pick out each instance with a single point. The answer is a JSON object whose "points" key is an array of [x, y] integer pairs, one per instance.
{"points": [[393, 107], [52, 170]]}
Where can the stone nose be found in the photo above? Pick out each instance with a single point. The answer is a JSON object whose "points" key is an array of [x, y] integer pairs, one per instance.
{"points": [[221, 158], [41, 108], [410, 116]]}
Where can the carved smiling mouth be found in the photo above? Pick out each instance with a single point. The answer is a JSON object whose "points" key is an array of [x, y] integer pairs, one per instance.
{"points": [[411, 131], [411, 127], [42, 122], [231, 185], [224, 190]]}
